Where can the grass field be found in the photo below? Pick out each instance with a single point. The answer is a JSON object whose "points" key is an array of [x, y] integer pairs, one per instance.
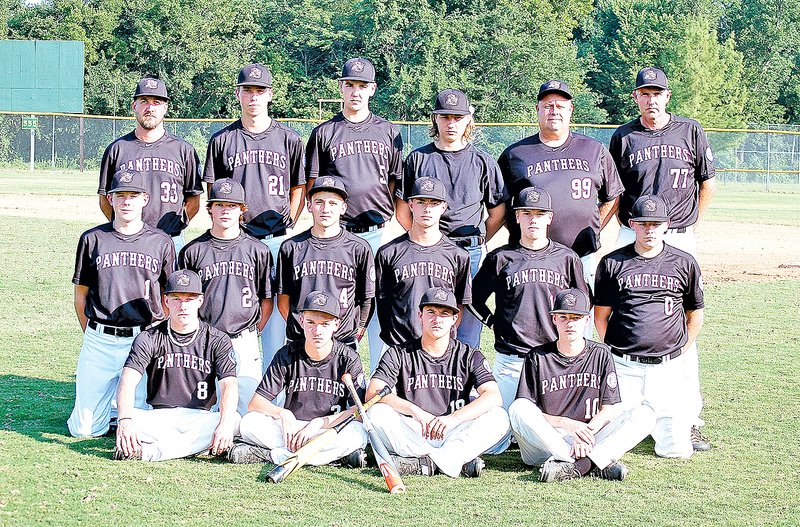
{"points": [[749, 350]]}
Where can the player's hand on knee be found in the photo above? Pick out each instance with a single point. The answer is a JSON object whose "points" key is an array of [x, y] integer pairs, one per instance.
{"points": [[222, 440], [290, 426], [127, 438], [581, 449], [439, 426], [423, 418], [580, 431], [307, 433]]}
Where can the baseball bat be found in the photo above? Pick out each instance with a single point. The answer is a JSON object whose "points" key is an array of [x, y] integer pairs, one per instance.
{"points": [[385, 464], [310, 449]]}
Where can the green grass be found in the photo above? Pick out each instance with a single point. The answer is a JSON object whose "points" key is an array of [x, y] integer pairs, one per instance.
{"points": [[750, 203], [749, 351]]}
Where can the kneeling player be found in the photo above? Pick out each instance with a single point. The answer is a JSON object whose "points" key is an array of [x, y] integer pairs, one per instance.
{"points": [[429, 421], [310, 373], [183, 357], [564, 417]]}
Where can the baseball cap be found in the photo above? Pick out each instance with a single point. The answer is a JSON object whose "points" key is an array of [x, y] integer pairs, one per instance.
{"points": [[571, 302], [439, 296], [428, 187], [330, 184], [184, 281], [554, 86], [358, 69], [127, 181], [150, 87], [650, 208], [651, 77], [228, 190], [255, 75], [321, 301], [452, 102], [533, 198]]}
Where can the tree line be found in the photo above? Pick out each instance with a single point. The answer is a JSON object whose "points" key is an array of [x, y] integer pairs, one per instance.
{"points": [[730, 63]]}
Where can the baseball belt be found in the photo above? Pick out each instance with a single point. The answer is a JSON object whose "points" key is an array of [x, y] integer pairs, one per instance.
{"points": [[114, 331], [649, 360], [468, 241], [361, 230]]}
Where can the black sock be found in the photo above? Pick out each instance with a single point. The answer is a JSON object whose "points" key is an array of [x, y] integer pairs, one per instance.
{"points": [[584, 465]]}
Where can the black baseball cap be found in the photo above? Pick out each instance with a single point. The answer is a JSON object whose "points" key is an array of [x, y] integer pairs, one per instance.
{"points": [[533, 198], [571, 302], [227, 190], [127, 181], [184, 281], [651, 77], [441, 297], [554, 86], [330, 184], [428, 187], [321, 301], [650, 208], [452, 102], [150, 87], [255, 75], [358, 69]]}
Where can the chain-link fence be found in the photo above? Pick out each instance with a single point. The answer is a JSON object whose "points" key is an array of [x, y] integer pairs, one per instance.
{"points": [[768, 156]]}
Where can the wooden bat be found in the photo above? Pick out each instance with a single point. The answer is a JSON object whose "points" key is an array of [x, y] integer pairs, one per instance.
{"points": [[310, 449], [382, 457]]}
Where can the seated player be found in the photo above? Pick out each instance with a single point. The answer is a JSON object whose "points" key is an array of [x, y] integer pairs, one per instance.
{"points": [[565, 416], [235, 269], [310, 373], [183, 357], [430, 421]]}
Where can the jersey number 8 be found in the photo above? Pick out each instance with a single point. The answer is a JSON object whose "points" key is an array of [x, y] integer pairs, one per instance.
{"points": [[202, 390]]}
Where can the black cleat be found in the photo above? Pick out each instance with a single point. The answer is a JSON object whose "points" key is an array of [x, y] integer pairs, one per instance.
{"points": [[616, 471], [414, 466], [473, 468], [355, 459]]}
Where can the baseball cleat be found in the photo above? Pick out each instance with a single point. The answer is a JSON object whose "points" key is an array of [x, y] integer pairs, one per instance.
{"points": [[554, 470], [473, 469], [355, 459], [414, 466], [119, 455], [242, 453], [616, 471], [699, 442]]}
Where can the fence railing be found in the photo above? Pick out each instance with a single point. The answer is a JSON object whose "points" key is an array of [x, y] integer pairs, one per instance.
{"points": [[769, 156]]}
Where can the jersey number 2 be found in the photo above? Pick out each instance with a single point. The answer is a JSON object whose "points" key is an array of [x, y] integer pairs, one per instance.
{"points": [[247, 297]]}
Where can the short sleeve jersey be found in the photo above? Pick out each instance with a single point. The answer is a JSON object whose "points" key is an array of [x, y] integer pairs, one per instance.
{"points": [[649, 298], [125, 274], [573, 387], [342, 266], [524, 283], [471, 179], [235, 276], [439, 385], [670, 162], [171, 172], [367, 156], [313, 388], [267, 164], [181, 369], [404, 270], [577, 175]]}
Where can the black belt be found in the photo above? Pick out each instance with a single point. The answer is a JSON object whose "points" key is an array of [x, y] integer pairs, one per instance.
{"points": [[274, 234], [469, 241], [238, 334], [113, 330], [361, 230], [518, 354], [649, 360], [679, 230]]}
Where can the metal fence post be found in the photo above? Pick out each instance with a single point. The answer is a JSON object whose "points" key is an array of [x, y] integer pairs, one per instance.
{"points": [[769, 156], [80, 140], [53, 146]]}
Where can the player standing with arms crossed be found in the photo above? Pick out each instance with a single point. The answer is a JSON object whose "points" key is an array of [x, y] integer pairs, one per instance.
{"points": [[170, 165], [649, 310], [266, 158], [235, 271], [669, 156], [472, 182], [120, 268]]}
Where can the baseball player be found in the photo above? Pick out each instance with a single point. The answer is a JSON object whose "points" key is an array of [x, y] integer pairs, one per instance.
{"points": [[309, 372], [327, 257], [565, 416], [649, 310], [366, 152], [663, 154], [120, 268], [472, 181], [576, 170], [183, 358], [235, 271], [266, 158], [170, 165], [430, 421], [420, 259]]}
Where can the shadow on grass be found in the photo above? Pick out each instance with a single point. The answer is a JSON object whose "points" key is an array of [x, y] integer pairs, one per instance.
{"points": [[336, 473]]}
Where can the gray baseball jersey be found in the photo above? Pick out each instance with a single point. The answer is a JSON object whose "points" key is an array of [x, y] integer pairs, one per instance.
{"points": [[181, 369], [367, 156], [670, 162], [171, 171], [125, 274], [236, 277], [267, 164], [439, 385]]}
